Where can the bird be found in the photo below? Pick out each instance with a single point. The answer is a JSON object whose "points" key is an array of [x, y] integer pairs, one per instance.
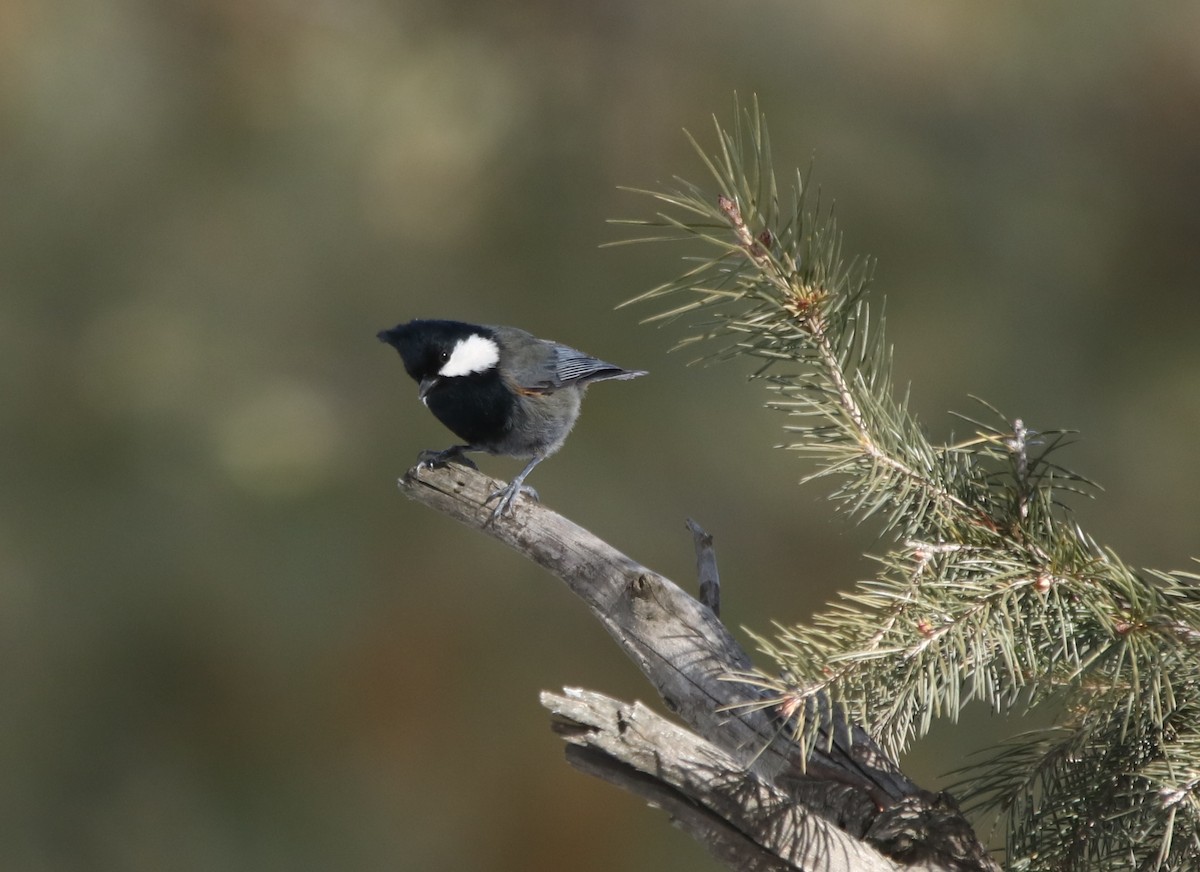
{"points": [[501, 390]]}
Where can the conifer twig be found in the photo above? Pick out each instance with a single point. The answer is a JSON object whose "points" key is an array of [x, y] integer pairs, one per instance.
{"points": [[991, 591]]}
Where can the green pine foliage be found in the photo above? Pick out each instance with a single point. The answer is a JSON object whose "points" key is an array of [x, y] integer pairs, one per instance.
{"points": [[989, 590]]}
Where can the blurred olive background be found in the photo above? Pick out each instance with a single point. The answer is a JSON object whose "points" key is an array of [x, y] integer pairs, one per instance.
{"points": [[229, 643]]}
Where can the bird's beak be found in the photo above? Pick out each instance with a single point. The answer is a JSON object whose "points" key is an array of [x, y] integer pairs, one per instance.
{"points": [[425, 387]]}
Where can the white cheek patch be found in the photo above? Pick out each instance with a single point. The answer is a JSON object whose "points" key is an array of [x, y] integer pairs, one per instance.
{"points": [[471, 355]]}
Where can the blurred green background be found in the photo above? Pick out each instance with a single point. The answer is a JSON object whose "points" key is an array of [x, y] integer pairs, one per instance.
{"points": [[229, 643]]}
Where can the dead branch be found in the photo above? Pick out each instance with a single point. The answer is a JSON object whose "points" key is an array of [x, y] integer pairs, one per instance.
{"points": [[741, 787]]}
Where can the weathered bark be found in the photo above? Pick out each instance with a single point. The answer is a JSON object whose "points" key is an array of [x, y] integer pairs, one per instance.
{"points": [[737, 782]]}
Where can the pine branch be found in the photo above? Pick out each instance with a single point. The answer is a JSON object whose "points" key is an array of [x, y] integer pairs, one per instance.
{"points": [[989, 591]]}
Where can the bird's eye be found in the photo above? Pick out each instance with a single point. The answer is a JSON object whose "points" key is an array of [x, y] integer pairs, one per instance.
{"points": [[443, 355]]}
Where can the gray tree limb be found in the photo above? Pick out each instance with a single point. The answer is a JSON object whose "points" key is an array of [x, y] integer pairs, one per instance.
{"points": [[744, 821], [706, 568], [848, 796]]}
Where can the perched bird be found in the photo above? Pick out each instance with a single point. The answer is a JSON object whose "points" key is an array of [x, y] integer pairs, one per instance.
{"points": [[499, 389]]}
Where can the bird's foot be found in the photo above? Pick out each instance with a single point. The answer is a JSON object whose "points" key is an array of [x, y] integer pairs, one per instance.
{"points": [[507, 495], [429, 459]]}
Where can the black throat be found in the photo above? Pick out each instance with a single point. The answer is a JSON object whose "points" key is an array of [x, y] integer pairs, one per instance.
{"points": [[477, 408]]}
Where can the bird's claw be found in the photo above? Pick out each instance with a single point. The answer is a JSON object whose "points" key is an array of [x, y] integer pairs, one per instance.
{"points": [[507, 495], [430, 459]]}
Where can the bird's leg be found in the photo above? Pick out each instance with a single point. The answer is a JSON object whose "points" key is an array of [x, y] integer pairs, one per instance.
{"points": [[509, 492], [428, 459]]}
